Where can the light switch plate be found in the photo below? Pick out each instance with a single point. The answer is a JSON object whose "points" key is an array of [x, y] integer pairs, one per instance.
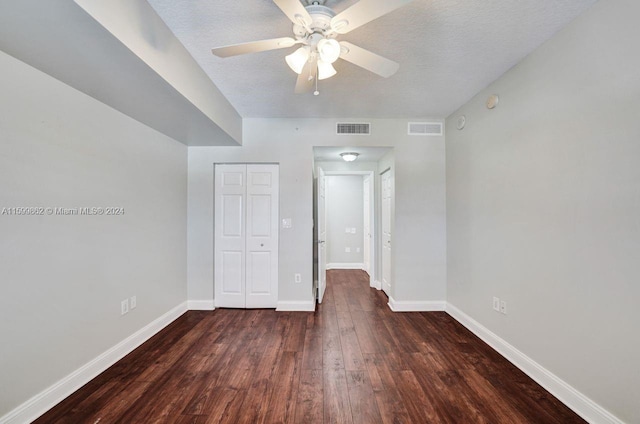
{"points": [[286, 223]]}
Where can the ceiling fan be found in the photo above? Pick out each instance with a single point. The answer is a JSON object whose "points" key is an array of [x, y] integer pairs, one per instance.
{"points": [[316, 27]]}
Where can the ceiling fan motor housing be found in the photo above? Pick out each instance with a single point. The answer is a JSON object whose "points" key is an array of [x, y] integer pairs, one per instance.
{"points": [[321, 22]]}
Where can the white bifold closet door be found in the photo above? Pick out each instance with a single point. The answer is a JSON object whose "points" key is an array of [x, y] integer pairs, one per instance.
{"points": [[246, 236]]}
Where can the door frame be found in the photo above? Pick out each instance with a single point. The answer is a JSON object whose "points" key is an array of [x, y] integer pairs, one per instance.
{"points": [[386, 286], [320, 228], [372, 218]]}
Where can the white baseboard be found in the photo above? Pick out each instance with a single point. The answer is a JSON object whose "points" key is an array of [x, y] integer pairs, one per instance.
{"points": [[296, 305], [376, 284], [345, 265], [47, 399], [416, 305], [201, 305], [579, 403]]}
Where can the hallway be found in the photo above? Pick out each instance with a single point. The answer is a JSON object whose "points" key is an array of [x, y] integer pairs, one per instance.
{"points": [[353, 360]]}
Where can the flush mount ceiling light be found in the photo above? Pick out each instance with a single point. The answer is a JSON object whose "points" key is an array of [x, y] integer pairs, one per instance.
{"points": [[316, 27], [349, 156]]}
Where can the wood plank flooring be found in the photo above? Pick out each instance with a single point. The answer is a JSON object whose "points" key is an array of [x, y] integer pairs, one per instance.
{"points": [[352, 361]]}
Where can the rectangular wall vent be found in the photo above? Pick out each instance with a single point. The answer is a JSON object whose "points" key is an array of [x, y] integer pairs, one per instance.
{"points": [[353, 128], [425, 128]]}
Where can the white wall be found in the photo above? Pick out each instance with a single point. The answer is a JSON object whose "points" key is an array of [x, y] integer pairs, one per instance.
{"points": [[63, 277], [420, 202], [543, 206], [344, 209]]}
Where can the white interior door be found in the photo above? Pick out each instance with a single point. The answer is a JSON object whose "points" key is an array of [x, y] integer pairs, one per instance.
{"points": [[386, 232], [366, 230], [322, 235], [262, 236], [230, 240], [246, 236]]}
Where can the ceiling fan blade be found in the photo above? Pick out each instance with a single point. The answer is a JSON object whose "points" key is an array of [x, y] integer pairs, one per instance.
{"points": [[368, 60], [362, 12], [254, 47], [307, 79], [295, 11]]}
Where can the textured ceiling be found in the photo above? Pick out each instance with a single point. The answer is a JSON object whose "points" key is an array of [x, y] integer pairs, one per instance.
{"points": [[448, 50]]}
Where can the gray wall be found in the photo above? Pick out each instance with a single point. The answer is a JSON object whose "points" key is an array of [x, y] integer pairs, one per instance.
{"points": [[420, 249], [63, 277], [543, 206], [344, 209]]}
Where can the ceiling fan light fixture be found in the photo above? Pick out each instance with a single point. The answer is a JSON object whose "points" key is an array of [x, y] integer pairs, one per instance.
{"points": [[329, 50], [325, 70], [297, 59], [349, 156]]}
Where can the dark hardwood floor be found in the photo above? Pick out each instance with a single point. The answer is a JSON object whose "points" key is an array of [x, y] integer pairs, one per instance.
{"points": [[352, 361]]}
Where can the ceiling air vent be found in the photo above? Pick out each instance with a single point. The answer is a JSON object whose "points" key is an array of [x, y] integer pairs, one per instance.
{"points": [[353, 128], [425, 128]]}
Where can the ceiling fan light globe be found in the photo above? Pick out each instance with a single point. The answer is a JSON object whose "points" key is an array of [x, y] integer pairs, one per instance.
{"points": [[325, 70], [297, 59], [329, 50]]}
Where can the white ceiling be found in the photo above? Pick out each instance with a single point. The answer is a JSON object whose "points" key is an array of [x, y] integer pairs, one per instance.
{"points": [[448, 50]]}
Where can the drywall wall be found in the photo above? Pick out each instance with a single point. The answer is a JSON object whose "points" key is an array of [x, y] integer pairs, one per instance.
{"points": [[543, 206], [134, 64], [136, 24], [64, 276], [420, 202], [344, 210]]}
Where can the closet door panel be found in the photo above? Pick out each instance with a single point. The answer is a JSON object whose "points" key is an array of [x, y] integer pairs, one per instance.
{"points": [[262, 236], [230, 236]]}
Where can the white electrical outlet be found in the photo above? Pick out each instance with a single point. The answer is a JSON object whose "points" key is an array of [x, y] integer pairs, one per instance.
{"points": [[297, 278], [496, 304], [124, 306], [503, 307], [347, 230], [353, 231], [357, 250], [347, 249], [133, 302]]}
